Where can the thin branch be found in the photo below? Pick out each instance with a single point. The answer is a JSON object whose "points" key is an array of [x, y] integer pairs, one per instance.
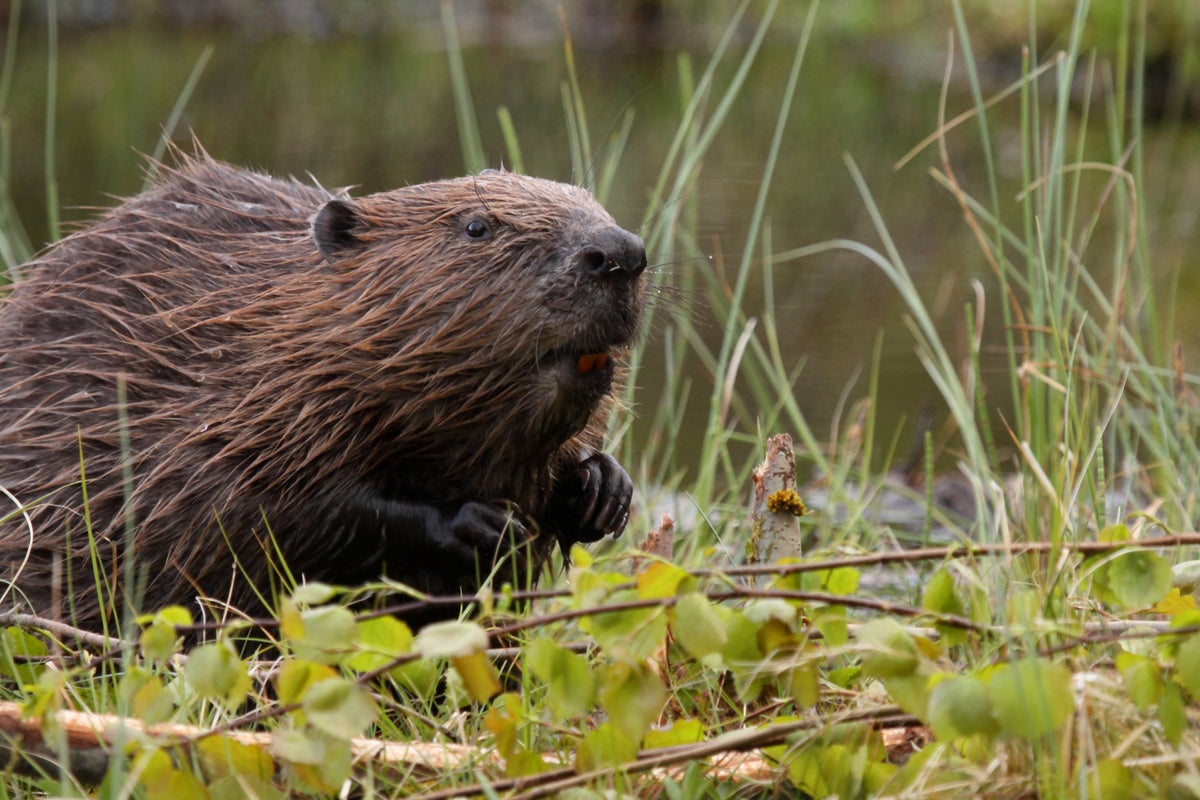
{"points": [[61, 630], [740, 740]]}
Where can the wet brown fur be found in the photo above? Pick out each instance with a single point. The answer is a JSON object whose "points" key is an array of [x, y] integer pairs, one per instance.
{"points": [[256, 372]]}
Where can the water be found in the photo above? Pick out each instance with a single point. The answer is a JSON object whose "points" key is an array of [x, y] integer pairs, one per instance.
{"points": [[374, 110]]}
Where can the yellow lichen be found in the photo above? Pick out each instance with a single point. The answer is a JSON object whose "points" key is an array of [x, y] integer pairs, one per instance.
{"points": [[786, 501]]}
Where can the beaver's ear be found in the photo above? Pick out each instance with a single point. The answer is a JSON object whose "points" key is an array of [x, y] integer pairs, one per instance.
{"points": [[335, 228]]}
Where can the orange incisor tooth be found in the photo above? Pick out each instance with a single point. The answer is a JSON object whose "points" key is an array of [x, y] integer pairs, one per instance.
{"points": [[586, 363], [601, 360]]}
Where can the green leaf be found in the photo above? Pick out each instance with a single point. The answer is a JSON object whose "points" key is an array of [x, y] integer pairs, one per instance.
{"points": [[1138, 579], [318, 761], [1142, 678], [327, 634], [804, 684], [680, 731], [1186, 575], [771, 608], [911, 691], [697, 627], [1115, 533], [580, 557], [1107, 779], [339, 707], [845, 677], [1184, 786], [590, 588], [313, 594], [216, 673], [45, 695], [244, 787], [224, 757], [633, 696], [161, 779], [297, 746], [1187, 665], [841, 581], [1032, 697], [742, 655], [378, 641], [296, 676], [877, 777], [524, 763], [832, 771], [178, 616], [888, 649], [831, 622], [741, 638], [569, 677], [17, 644], [331, 774], [148, 700], [447, 639], [1172, 714], [941, 597], [633, 634], [1170, 642], [959, 707], [421, 677], [606, 746], [159, 641], [774, 636]]}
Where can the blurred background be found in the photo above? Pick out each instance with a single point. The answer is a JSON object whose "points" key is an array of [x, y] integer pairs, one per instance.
{"points": [[357, 92]]}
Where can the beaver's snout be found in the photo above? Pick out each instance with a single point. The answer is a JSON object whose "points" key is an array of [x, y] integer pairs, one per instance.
{"points": [[613, 254]]}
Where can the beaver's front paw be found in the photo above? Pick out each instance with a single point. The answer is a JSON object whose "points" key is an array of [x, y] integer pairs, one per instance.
{"points": [[591, 500], [469, 540], [449, 548]]}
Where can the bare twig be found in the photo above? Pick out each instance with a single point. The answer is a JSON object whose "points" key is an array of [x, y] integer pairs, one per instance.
{"points": [[737, 741], [61, 630], [90, 737]]}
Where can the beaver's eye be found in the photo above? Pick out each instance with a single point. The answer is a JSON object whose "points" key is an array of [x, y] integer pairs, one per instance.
{"points": [[477, 229]]}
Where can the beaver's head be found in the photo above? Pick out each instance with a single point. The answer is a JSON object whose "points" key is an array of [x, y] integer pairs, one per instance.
{"points": [[493, 301]]}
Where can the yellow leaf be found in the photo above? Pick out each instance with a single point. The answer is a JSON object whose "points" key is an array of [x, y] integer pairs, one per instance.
{"points": [[1174, 603], [524, 763], [502, 719], [478, 676], [662, 580], [224, 758]]}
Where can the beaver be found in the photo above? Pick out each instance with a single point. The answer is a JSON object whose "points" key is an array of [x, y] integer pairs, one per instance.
{"points": [[232, 377]]}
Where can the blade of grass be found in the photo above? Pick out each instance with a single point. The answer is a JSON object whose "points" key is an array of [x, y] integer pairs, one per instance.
{"points": [[512, 144], [168, 131], [53, 225], [464, 108], [714, 436]]}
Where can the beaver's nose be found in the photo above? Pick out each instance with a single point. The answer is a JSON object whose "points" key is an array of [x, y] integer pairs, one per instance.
{"points": [[613, 253]]}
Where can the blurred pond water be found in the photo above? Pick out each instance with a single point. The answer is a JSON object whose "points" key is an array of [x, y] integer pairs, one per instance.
{"points": [[375, 110]]}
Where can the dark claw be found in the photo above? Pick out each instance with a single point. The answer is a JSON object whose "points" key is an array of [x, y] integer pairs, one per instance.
{"points": [[587, 470], [591, 501]]}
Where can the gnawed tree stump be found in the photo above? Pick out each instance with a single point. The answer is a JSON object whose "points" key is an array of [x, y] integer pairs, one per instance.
{"points": [[777, 505]]}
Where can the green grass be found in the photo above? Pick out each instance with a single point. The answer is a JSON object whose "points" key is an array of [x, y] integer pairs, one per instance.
{"points": [[981, 644]]}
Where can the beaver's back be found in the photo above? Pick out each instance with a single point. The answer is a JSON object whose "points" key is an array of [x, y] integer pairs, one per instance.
{"points": [[118, 322]]}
